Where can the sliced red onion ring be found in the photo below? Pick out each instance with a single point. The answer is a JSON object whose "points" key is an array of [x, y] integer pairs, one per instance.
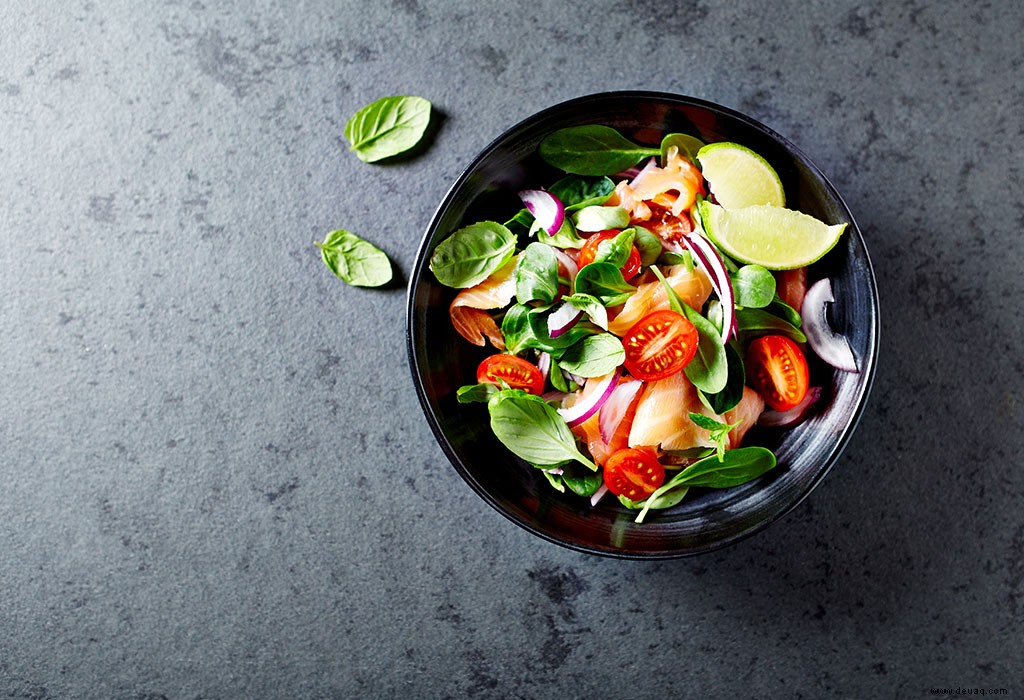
{"points": [[570, 265], [562, 319], [598, 495], [587, 406], [615, 408], [784, 419], [546, 208], [707, 256], [544, 364], [826, 343]]}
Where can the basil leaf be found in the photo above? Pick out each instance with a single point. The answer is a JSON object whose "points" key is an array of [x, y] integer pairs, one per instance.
{"points": [[753, 286], [616, 250], [737, 467], [387, 127], [537, 274], [565, 237], [594, 356], [541, 338], [727, 399], [592, 149], [785, 312], [751, 323], [533, 430], [709, 368], [604, 281], [354, 260], [600, 218], [670, 257], [557, 377], [576, 192], [472, 254], [581, 481], [521, 223], [687, 145], [591, 306], [476, 393], [516, 329], [665, 496], [554, 479], [648, 245]]}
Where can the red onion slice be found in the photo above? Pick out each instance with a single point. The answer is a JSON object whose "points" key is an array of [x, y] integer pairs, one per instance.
{"points": [[598, 495], [570, 265], [562, 319], [784, 419], [546, 208], [826, 343], [588, 405], [616, 407], [544, 364], [707, 256]]}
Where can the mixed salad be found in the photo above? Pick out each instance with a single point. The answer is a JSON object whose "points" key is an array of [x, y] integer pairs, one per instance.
{"points": [[642, 315]]}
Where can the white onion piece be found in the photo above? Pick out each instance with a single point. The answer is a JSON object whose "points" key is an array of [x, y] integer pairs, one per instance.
{"points": [[546, 208], [826, 343], [614, 409], [708, 258], [784, 419], [570, 265], [562, 319], [588, 405], [598, 495]]}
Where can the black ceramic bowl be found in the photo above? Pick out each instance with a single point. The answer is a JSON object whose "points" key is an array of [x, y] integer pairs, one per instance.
{"points": [[442, 360]]}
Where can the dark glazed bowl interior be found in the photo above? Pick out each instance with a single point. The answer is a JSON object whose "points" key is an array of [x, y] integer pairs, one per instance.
{"points": [[442, 360]]}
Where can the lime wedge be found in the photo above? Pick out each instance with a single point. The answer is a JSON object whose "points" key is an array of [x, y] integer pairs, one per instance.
{"points": [[738, 177], [774, 237]]}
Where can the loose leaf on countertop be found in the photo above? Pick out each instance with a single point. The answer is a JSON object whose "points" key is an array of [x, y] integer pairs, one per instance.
{"points": [[387, 127], [354, 260]]}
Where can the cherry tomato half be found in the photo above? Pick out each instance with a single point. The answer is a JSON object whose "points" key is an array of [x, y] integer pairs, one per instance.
{"points": [[777, 369], [666, 225], [633, 472], [659, 345], [512, 370], [589, 251]]}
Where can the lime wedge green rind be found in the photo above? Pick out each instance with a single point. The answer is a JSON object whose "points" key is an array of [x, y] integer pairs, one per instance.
{"points": [[739, 177], [773, 237]]}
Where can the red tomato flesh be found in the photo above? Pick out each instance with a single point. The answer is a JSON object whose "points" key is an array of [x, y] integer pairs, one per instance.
{"points": [[659, 345], [777, 369], [512, 370], [634, 473], [589, 251]]}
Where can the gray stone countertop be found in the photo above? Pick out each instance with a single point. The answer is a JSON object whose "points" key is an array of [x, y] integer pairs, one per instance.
{"points": [[218, 483]]}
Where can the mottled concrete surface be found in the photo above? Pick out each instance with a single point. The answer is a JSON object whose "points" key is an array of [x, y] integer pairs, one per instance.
{"points": [[217, 482]]}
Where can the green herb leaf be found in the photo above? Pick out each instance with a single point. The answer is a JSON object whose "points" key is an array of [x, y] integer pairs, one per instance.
{"points": [[648, 245], [616, 250], [541, 338], [387, 127], [604, 281], [718, 432], [592, 149], [580, 480], [594, 356], [709, 368], [600, 218], [476, 393], [354, 260], [730, 396], [565, 237], [533, 430], [786, 312], [737, 467], [687, 145], [472, 254], [753, 286], [576, 192], [557, 377], [536, 274], [751, 323], [516, 329]]}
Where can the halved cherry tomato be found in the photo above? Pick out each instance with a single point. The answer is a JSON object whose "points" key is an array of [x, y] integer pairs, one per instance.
{"points": [[633, 472], [666, 225], [777, 369], [512, 370], [589, 251], [659, 345]]}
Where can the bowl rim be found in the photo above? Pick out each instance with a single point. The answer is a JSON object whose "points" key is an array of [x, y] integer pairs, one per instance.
{"points": [[420, 265]]}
